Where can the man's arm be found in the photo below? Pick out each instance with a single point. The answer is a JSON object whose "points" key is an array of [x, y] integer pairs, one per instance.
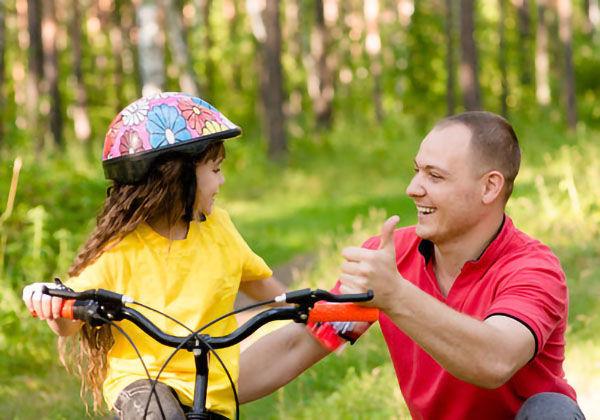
{"points": [[275, 360], [484, 353]]}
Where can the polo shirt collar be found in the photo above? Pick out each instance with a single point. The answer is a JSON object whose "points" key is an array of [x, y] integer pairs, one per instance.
{"points": [[489, 254]]}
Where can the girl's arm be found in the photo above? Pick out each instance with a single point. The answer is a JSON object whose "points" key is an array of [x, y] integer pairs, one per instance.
{"points": [[263, 289], [48, 308]]}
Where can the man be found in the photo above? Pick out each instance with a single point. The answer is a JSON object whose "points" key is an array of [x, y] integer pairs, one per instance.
{"points": [[473, 311]]}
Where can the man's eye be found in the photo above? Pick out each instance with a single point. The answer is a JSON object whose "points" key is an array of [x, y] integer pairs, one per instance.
{"points": [[435, 176]]}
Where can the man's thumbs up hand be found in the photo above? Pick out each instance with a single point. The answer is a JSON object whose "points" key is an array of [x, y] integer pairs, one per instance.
{"points": [[387, 233], [373, 269]]}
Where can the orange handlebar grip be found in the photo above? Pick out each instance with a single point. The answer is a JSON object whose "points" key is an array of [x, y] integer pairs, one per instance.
{"points": [[67, 309], [342, 312]]}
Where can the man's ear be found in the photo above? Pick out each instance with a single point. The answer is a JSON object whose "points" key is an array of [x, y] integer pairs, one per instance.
{"points": [[493, 186]]}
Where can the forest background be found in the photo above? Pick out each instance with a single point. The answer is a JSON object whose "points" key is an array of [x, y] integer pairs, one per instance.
{"points": [[333, 97]]}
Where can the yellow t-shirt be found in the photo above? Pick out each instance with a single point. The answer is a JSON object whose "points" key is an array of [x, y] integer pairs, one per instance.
{"points": [[194, 280]]}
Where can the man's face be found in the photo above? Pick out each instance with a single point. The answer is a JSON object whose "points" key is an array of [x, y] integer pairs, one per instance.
{"points": [[446, 187]]}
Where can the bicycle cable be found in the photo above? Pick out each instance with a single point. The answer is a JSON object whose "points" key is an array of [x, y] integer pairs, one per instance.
{"points": [[153, 382], [195, 334], [152, 390]]}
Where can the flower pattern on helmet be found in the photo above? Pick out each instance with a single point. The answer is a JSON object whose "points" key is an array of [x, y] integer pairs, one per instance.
{"points": [[136, 112], [111, 136], [195, 115], [166, 126], [131, 143], [211, 127]]}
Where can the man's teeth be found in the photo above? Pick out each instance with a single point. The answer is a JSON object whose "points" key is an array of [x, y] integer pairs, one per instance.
{"points": [[425, 210]]}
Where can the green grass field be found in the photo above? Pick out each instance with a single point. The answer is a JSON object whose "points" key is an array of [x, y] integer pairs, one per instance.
{"points": [[330, 194]]}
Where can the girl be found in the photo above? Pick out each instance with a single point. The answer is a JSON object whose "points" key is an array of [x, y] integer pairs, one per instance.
{"points": [[160, 240]]}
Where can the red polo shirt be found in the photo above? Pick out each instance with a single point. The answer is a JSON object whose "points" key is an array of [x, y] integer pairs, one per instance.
{"points": [[516, 276]]}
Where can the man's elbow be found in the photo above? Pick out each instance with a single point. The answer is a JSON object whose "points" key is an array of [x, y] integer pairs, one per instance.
{"points": [[493, 375]]}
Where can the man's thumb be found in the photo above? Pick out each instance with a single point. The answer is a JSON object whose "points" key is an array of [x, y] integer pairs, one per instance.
{"points": [[387, 232]]}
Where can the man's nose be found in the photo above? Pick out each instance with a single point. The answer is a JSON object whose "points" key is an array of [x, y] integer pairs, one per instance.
{"points": [[414, 188]]}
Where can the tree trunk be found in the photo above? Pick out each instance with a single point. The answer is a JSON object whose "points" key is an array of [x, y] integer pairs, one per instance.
{"points": [[566, 38], [264, 18], [233, 23], [36, 71], [450, 64], [51, 71], [150, 48], [115, 35], [295, 50], [592, 15], [125, 20], [373, 47], [80, 116], [179, 48], [2, 69], [320, 79], [469, 78], [524, 50], [542, 61], [207, 44], [502, 58]]}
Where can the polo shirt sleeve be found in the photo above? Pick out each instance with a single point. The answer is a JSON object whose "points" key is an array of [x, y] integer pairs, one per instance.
{"points": [[253, 266], [535, 295], [97, 275]]}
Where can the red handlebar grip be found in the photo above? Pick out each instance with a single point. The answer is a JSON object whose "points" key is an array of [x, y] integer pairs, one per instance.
{"points": [[67, 309], [342, 312]]}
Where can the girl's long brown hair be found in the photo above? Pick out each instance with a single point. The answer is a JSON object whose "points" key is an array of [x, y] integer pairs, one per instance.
{"points": [[169, 192]]}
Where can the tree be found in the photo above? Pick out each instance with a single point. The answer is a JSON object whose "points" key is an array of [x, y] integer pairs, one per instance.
{"points": [[112, 19], [295, 50], [80, 117], [264, 16], [179, 48], [51, 71], [542, 61], [2, 68], [373, 47], [592, 14], [450, 64], [469, 79], [566, 38], [35, 65], [150, 48], [320, 78], [524, 51], [502, 58], [205, 7]]}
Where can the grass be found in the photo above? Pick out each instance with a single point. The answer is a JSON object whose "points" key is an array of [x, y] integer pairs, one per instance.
{"points": [[332, 191]]}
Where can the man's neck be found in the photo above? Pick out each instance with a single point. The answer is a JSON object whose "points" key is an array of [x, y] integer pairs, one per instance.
{"points": [[451, 256]]}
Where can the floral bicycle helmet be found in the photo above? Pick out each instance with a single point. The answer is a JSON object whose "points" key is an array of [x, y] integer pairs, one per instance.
{"points": [[153, 126]]}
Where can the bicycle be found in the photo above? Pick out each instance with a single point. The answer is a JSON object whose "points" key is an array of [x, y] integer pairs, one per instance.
{"points": [[100, 306]]}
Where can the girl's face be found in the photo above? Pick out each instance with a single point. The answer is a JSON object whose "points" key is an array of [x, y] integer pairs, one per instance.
{"points": [[209, 179]]}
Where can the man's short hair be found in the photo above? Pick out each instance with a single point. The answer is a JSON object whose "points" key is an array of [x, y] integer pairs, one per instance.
{"points": [[493, 142]]}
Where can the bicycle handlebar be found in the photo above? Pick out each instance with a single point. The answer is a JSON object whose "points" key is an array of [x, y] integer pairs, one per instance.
{"points": [[100, 306]]}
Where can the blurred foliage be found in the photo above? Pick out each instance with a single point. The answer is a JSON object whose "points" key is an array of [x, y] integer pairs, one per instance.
{"points": [[318, 199], [321, 199]]}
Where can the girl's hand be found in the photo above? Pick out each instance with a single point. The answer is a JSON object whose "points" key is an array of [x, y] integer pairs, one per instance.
{"points": [[40, 304]]}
